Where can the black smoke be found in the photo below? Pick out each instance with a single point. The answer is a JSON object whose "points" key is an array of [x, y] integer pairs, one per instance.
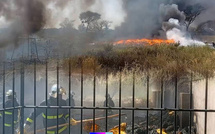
{"points": [[145, 18], [25, 17]]}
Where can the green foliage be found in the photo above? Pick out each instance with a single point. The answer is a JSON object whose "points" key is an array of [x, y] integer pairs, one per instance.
{"points": [[88, 17]]}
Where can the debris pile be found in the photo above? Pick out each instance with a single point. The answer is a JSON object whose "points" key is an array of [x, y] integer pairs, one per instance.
{"points": [[115, 130], [168, 124]]}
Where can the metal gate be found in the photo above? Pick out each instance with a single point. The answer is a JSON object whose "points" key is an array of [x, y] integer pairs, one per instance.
{"points": [[13, 76]]}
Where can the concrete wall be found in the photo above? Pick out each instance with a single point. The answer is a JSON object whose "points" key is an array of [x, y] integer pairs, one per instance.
{"points": [[199, 103]]}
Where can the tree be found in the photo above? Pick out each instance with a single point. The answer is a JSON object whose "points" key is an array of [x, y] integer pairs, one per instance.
{"points": [[191, 12], [99, 26], [67, 24], [89, 17]]}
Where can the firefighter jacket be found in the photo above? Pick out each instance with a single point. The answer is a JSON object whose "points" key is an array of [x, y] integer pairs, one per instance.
{"points": [[10, 116], [72, 101], [51, 115], [110, 103]]}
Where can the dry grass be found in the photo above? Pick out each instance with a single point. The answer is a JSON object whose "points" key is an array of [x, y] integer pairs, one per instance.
{"points": [[162, 60]]}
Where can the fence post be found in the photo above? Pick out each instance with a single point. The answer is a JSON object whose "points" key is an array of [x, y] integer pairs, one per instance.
{"points": [[22, 98], [184, 104]]}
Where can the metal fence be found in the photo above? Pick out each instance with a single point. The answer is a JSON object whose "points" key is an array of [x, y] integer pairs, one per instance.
{"points": [[18, 71]]}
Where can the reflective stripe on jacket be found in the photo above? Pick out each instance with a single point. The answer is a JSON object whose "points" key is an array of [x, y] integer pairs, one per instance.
{"points": [[51, 114]]}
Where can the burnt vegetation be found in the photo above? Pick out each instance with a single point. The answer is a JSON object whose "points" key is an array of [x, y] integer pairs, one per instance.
{"points": [[163, 60]]}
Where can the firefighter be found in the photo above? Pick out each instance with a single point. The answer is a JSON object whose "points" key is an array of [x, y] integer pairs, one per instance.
{"points": [[72, 101], [11, 116], [213, 44], [110, 103], [52, 116]]}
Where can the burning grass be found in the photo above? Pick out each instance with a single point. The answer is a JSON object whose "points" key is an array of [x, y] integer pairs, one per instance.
{"points": [[162, 60], [144, 41]]}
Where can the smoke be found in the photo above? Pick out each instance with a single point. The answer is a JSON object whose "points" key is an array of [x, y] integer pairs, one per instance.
{"points": [[146, 18], [166, 13], [208, 14], [25, 17], [57, 10], [141, 19], [179, 34], [170, 11], [131, 19], [110, 10]]}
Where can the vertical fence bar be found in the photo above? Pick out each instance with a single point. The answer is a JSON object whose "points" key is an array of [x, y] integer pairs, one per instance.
{"points": [[13, 88], [161, 123], [82, 86], [69, 94], [35, 96], [3, 98], [94, 94], [191, 100], [28, 47], [147, 111], [106, 112], [176, 95], [57, 94], [120, 95], [206, 103], [133, 103], [46, 92], [22, 99]]}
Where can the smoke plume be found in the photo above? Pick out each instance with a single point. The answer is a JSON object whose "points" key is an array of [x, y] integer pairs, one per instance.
{"points": [[25, 17], [131, 18], [170, 11], [146, 18], [141, 19], [180, 35]]}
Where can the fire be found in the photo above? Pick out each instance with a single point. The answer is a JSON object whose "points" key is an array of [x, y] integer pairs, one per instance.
{"points": [[159, 132], [115, 130], [144, 41], [171, 112], [88, 127]]}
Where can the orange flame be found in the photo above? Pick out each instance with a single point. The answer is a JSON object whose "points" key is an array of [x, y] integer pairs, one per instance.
{"points": [[115, 130], [161, 132], [144, 41], [88, 127]]}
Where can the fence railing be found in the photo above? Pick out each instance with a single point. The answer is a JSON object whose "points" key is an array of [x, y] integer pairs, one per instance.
{"points": [[20, 76]]}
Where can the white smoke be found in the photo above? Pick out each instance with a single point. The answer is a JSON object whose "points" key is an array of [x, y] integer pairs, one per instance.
{"points": [[179, 34]]}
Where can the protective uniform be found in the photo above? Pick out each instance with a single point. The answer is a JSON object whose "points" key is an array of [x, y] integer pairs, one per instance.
{"points": [[72, 101], [110, 103], [11, 116], [52, 115]]}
